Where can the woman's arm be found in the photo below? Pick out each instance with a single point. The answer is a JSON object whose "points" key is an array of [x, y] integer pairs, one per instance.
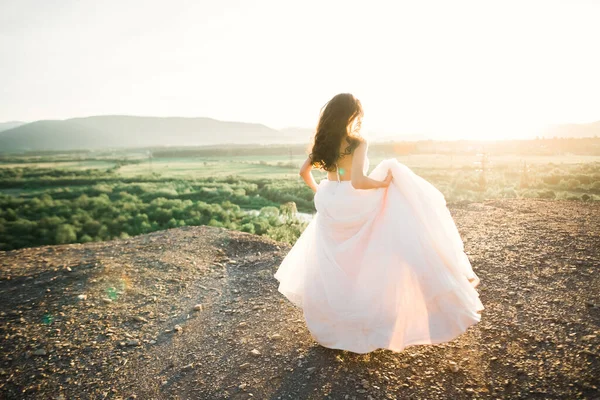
{"points": [[359, 179], [306, 174]]}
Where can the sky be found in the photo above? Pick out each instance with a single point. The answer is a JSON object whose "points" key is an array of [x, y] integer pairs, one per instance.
{"points": [[448, 69]]}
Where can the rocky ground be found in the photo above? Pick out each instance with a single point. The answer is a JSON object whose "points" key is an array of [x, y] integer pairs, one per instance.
{"points": [[194, 313]]}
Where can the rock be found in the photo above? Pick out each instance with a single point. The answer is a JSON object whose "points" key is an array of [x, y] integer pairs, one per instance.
{"points": [[188, 367], [255, 352], [82, 296], [244, 365], [276, 336], [140, 319], [134, 342], [198, 307], [453, 366], [178, 329], [107, 301], [39, 352], [587, 338]]}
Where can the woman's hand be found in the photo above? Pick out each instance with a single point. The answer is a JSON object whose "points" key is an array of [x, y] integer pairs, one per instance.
{"points": [[359, 179], [388, 179]]}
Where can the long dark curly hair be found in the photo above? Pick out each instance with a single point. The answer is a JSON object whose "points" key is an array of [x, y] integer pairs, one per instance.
{"points": [[336, 120]]}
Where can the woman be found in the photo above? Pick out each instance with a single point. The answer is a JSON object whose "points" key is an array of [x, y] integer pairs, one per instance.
{"points": [[381, 265]]}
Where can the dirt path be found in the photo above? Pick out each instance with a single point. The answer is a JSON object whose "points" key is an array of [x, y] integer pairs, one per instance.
{"points": [[117, 319]]}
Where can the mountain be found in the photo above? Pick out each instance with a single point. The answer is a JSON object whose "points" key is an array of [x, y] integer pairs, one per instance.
{"points": [[120, 131], [297, 134], [10, 124], [573, 130]]}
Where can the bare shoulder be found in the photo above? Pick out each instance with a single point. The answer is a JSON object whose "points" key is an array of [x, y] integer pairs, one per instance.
{"points": [[363, 145]]}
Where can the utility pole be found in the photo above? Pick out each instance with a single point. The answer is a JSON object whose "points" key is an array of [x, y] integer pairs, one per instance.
{"points": [[524, 176], [483, 166], [291, 161]]}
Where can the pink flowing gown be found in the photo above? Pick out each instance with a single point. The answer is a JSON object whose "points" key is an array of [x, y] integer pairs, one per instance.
{"points": [[381, 268]]}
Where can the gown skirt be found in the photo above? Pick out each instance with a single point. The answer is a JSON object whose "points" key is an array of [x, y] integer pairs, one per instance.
{"points": [[381, 268]]}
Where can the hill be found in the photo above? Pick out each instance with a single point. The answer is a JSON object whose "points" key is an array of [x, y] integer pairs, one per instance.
{"points": [[194, 313], [117, 131], [10, 124], [574, 130]]}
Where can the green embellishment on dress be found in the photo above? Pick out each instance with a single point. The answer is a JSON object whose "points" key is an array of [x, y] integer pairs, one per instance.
{"points": [[342, 171]]}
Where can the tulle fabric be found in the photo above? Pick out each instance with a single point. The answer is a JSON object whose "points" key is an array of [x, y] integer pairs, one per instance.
{"points": [[381, 268]]}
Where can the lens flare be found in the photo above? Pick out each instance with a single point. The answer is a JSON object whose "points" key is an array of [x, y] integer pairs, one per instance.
{"points": [[47, 319], [120, 286]]}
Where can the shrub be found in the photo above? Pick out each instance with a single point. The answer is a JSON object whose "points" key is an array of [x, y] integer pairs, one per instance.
{"points": [[216, 223], [261, 226], [65, 233], [249, 228], [546, 194], [268, 212], [552, 179], [529, 193], [573, 183], [509, 193], [288, 232]]}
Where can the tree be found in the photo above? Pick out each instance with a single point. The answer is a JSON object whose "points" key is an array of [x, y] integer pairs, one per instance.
{"points": [[65, 233], [288, 210]]}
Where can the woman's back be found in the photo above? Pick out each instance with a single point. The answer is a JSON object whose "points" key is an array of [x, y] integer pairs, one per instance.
{"points": [[344, 165]]}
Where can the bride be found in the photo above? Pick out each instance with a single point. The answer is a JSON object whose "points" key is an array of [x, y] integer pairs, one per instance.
{"points": [[381, 264]]}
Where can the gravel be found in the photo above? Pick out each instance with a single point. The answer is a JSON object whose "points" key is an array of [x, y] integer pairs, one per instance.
{"points": [[194, 312]]}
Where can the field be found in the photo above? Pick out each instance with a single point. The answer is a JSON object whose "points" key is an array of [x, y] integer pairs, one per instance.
{"points": [[53, 198]]}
